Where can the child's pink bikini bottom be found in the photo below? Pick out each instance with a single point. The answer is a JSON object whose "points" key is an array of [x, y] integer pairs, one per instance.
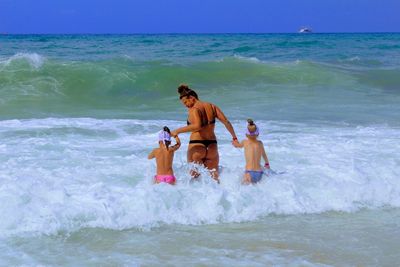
{"points": [[167, 178]]}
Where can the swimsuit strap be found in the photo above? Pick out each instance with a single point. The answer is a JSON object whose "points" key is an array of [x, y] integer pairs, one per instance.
{"points": [[214, 114], [203, 115]]}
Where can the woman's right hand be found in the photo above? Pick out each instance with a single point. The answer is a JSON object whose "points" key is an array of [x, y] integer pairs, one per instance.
{"points": [[174, 134]]}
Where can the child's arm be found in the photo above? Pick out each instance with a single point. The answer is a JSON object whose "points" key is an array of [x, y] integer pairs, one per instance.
{"points": [[152, 154], [177, 145], [264, 155]]}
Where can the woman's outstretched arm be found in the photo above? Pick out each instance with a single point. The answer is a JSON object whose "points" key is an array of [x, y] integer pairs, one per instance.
{"points": [[221, 116]]}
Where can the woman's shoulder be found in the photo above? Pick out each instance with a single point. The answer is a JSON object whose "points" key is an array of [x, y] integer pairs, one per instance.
{"points": [[210, 106], [204, 106], [208, 103]]}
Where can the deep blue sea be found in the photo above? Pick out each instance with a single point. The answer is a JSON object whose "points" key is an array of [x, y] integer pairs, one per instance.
{"points": [[80, 113]]}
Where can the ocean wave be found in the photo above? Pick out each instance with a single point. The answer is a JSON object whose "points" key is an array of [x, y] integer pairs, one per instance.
{"points": [[131, 74], [33, 59], [251, 59], [126, 84], [62, 175]]}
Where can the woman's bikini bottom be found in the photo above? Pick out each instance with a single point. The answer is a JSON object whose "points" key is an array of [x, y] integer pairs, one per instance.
{"points": [[206, 143]]}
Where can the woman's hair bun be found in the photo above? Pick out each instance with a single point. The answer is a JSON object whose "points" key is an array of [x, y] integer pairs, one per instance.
{"points": [[183, 88], [250, 121]]}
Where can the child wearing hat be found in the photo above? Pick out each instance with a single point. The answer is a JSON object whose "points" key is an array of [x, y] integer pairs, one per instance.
{"points": [[164, 156]]}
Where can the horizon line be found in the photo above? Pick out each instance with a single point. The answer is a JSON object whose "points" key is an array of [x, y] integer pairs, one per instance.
{"points": [[195, 33]]}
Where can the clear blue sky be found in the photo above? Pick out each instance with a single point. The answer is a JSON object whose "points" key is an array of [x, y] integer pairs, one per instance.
{"points": [[197, 16]]}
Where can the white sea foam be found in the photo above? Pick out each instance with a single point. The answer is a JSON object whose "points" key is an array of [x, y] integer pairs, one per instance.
{"points": [[354, 59], [34, 60], [250, 59], [67, 174]]}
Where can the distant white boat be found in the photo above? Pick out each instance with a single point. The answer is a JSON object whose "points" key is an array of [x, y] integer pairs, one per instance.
{"points": [[305, 30]]}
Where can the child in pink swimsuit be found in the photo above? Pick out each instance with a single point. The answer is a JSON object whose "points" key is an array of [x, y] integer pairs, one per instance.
{"points": [[164, 156]]}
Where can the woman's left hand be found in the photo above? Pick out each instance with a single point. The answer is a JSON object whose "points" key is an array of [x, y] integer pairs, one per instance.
{"points": [[235, 143]]}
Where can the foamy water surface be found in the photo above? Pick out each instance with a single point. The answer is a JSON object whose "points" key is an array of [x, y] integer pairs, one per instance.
{"points": [[67, 174], [79, 114]]}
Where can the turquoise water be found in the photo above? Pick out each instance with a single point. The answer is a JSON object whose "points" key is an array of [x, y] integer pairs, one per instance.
{"points": [[334, 77], [79, 114]]}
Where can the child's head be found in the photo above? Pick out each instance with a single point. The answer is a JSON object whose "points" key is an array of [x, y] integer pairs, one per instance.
{"points": [[252, 129], [165, 136]]}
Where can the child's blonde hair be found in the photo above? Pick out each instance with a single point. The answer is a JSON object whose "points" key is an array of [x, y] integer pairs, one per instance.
{"points": [[251, 127]]}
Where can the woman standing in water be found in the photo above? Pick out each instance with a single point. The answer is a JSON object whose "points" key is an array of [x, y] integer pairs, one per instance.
{"points": [[203, 148]]}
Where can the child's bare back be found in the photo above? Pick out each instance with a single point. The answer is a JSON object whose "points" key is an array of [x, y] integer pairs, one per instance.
{"points": [[164, 159], [164, 156], [253, 150]]}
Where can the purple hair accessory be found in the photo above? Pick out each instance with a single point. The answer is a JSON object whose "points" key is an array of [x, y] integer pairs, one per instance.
{"points": [[164, 136], [255, 133]]}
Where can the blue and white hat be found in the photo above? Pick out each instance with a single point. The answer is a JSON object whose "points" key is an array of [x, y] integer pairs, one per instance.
{"points": [[164, 136]]}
